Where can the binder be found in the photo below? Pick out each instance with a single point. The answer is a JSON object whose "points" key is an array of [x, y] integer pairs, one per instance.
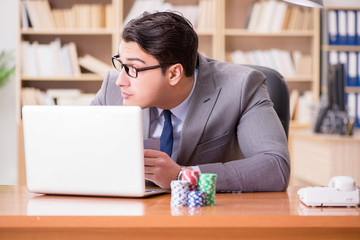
{"points": [[358, 27], [342, 27], [351, 104], [357, 110], [358, 70], [351, 79], [351, 27], [343, 58], [332, 27], [333, 57], [353, 107]]}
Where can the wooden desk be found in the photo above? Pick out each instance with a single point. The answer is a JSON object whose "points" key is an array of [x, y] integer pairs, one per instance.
{"points": [[24, 215]]}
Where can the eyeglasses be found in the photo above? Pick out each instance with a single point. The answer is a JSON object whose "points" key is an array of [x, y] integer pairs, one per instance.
{"points": [[130, 70]]}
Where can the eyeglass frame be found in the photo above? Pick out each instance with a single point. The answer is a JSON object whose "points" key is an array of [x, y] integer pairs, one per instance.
{"points": [[137, 70]]}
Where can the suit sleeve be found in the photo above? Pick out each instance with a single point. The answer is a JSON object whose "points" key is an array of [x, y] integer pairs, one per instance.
{"points": [[109, 93], [100, 97], [265, 165]]}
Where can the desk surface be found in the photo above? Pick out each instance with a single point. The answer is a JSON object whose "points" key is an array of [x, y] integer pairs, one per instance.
{"points": [[254, 215]]}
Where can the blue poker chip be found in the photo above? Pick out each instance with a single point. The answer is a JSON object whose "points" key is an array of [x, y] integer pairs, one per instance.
{"points": [[196, 199]]}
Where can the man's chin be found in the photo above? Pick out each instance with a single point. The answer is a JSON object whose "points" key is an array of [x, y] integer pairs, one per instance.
{"points": [[127, 103]]}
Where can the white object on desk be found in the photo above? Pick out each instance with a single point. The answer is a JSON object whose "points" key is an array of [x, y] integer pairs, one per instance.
{"points": [[341, 191]]}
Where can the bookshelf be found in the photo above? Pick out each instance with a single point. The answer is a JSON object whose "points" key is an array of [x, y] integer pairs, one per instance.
{"points": [[221, 27], [345, 49], [239, 35], [92, 23]]}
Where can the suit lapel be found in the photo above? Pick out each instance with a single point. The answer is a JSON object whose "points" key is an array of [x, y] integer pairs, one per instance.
{"points": [[201, 105]]}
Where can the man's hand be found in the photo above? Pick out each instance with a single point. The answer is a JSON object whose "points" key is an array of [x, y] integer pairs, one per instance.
{"points": [[160, 168]]}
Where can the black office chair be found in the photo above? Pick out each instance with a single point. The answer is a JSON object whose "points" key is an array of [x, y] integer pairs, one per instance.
{"points": [[279, 94]]}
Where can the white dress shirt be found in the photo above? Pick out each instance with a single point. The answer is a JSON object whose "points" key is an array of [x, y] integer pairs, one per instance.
{"points": [[177, 118]]}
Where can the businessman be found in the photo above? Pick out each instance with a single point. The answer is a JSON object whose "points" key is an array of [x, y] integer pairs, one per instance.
{"points": [[221, 118]]}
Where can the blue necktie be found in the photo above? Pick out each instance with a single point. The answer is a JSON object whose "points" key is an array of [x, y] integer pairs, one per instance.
{"points": [[166, 138]]}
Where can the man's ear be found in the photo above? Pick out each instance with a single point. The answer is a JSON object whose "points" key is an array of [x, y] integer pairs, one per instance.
{"points": [[175, 73]]}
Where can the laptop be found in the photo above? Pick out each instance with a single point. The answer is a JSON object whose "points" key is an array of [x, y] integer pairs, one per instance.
{"points": [[85, 150]]}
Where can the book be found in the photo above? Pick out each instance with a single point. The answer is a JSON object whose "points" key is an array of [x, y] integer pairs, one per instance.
{"points": [[24, 16], [65, 59], [294, 98], [33, 15], [141, 6], [59, 18], [84, 99], [286, 18], [294, 18], [44, 58], [70, 96], [50, 60], [46, 12], [94, 65], [84, 16], [280, 10], [303, 109], [308, 19], [191, 12], [206, 13], [61, 92], [109, 16], [74, 60], [28, 63], [254, 16], [277, 59], [34, 96], [267, 16]]}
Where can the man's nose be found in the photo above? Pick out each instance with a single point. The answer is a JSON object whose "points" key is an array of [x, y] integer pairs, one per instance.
{"points": [[123, 79]]}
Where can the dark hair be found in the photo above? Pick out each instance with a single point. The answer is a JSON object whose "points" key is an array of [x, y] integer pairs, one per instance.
{"points": [[167, 36]]}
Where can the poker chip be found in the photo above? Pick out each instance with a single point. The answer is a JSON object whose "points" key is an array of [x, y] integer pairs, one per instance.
{"points": [[207, 184], [193, 191], [191, 176], [196, 199], [179, 193]]}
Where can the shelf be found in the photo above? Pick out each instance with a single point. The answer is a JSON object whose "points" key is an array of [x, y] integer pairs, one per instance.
{"points": [[300, 78], [244, 32], [297, 125], [342, 7], [344, 48], [205, 32], [352, 89], [83, 77], [67, 32]]}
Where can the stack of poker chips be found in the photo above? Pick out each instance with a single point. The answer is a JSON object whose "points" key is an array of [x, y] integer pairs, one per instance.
{"points": [[193, 190], [207, 184], [192, 177], [179, 193]]}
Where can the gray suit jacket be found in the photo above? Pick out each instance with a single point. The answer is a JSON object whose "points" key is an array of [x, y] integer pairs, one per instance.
{"points": [[231, 128]]}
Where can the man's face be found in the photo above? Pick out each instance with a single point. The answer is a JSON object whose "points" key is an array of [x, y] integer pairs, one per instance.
{"points": [[149, 87]]}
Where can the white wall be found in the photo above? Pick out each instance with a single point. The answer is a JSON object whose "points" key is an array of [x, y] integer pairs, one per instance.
{"points": [[8, 128]]}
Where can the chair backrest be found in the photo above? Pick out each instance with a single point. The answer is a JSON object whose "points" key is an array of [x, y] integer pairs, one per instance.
{"points": [[279, 94]]}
